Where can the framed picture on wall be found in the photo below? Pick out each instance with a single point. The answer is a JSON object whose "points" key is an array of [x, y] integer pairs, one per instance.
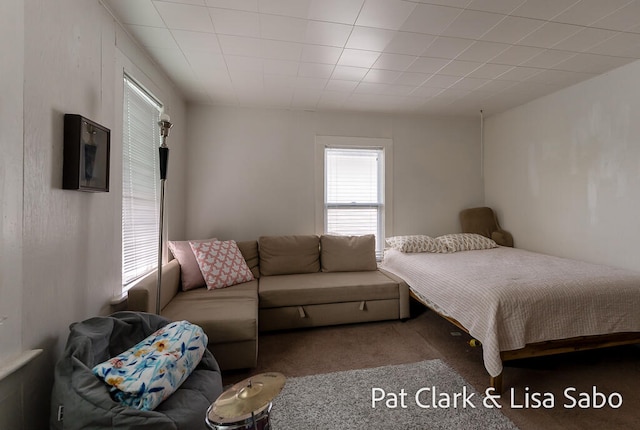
{"points": [[86, 155]]}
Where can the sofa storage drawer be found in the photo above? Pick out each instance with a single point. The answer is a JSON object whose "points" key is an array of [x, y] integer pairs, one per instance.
{"points": [[288, 317]]}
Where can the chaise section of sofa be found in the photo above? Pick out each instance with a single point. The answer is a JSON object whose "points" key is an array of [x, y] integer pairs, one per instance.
{"points": [[229, 316]]}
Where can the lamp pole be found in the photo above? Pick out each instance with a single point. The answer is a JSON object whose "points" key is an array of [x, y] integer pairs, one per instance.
{"points": [[165, 126]]}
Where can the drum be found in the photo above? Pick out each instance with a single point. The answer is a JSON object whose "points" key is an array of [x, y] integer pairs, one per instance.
{"points": [[245, 422]]}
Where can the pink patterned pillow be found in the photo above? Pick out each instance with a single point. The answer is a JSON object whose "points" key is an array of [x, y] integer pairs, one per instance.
{"points": [[221, 263]]}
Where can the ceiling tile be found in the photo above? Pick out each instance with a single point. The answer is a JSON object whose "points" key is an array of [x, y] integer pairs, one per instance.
{"points": [[548, 59], [430, 19], [315, 70], [519, 73], [482, 51], [409, 78], [396, 62], [280, 67], [550, 34], [294, 8], [310, 82], [242, 64], [349, 73], [238, 45], [388, 14], [543, 9], [381, 76], [459, 68], [469, 84], [623, 45], [409, 43], [516, 55], [139, 13], [489, 71], [235, 22], [560, 77], [588, 11], [427, 65], [441, 81], [472, 24], [194, 2], [358, 58], [283, 28], [341, 85], [279, 50], [248, 5], [340, 11], [496, 85], [447, 47], [196, 41], [624, 19], [184, 17], [512, 29], [371, 88], [504, 7], [426, 92], [320, 54], [327, 33], [585, 39], [372, 39]]}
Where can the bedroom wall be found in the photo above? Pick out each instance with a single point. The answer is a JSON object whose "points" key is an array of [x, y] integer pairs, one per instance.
{"points": [[65, 57], [564, 171], [251, 171]]}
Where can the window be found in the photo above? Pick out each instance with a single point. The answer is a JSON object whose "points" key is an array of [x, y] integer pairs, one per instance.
{"points": [[354, 192], [140, 182]]}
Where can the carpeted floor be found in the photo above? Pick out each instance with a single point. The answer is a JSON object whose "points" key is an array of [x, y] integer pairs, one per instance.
{"points": [[426, 336], [400, 397]]}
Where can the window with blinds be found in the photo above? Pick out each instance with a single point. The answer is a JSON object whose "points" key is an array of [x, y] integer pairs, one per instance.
{"points": [[354, 192], [140, 182]]}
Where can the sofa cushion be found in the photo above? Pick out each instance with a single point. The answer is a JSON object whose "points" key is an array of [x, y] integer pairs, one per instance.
{"points": [[348, 253], [221, 263], [225, 315], [284, 255], [249, 250], [316, 288], [190, 274]]}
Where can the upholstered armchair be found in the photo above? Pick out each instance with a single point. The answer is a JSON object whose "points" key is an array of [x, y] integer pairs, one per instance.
{"points": [[81, 401], [483, 221]]}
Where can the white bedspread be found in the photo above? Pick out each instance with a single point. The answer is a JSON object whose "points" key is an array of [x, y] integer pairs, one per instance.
{"points": [[509, 297]]}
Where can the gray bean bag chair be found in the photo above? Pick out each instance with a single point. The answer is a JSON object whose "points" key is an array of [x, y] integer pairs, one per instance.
{"points": [[81, 401]]}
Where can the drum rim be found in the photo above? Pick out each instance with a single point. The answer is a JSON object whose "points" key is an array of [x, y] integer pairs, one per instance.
{"points": [[258, 414]]}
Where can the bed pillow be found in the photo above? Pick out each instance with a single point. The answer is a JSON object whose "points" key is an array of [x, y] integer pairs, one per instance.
{"points": [[221, 263], [149, 372], [416, 243], [348, 253], [466, 242], [288, 255], [190, 274]]}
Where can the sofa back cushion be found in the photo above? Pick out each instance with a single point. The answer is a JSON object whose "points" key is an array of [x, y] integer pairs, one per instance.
{"points": [[286, 255], [348, 253], [249, 250]]}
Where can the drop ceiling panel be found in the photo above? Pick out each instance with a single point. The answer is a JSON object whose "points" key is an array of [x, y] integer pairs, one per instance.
{"points": [[423, 56]]}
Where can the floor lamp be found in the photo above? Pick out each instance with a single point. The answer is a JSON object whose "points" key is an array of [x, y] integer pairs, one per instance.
{"points": [[165, 126]]}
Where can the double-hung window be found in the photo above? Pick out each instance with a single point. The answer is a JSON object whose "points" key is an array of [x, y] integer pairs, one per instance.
{"points": [[354, 192], [140, 182]]}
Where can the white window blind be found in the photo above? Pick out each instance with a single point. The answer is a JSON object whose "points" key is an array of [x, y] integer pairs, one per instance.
{"points": [[354, 192], [140, 194]]}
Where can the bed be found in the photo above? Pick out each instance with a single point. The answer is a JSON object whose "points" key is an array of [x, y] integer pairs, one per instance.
{"points": [[521, 304]]}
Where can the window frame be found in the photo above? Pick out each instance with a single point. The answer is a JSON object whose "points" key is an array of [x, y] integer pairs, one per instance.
{"points": [[386, 214]]}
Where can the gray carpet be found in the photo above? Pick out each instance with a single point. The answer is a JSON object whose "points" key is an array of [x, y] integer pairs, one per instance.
{"points": [[343, 400]]}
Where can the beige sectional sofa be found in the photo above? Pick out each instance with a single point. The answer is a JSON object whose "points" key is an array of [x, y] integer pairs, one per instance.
{"points": [[300, 281]]}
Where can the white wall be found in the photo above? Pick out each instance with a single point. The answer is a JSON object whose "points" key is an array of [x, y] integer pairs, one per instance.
{"points": [[68, 253], [251, 171], [564, 171]]}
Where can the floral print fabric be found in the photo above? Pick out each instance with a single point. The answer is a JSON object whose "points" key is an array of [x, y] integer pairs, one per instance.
{"points": [[149, 372]]}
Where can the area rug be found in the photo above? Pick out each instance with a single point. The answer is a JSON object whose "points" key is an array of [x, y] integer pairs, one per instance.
{"points": [[373, 399]]}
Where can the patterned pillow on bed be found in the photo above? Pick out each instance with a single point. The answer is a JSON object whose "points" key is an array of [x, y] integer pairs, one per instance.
{"points": [[149, 372], [465, 242], [416, 243]]}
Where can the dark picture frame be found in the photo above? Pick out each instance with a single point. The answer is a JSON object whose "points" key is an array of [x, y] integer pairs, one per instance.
{"points": [[87, 147]]}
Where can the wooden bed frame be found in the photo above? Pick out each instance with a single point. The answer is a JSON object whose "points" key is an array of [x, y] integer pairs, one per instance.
{"points": [[550, 347]]}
